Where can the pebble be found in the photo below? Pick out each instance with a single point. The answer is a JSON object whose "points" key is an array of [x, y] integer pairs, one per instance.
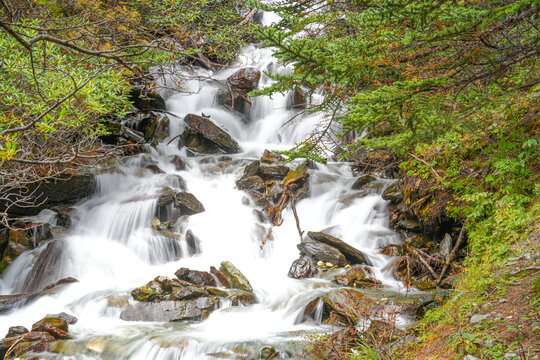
{"points": [[536, 325], [477, 319], [511, 355], [470, 357], [490, 343], [502, 301]]}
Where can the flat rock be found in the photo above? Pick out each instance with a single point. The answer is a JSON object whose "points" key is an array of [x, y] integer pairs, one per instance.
{"points": [[203, 136], [245, 79], [352, 254], [349, 303], [168, 310], [322, 252], [196, 277], [251, 183]]}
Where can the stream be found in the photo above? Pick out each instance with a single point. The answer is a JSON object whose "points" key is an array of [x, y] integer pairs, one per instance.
{"points": [[111, 248]]}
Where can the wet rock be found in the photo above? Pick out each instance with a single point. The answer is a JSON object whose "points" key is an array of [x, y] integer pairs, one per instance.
{"points": [[418, 242], [229, 356], [237, 279], [250, 183], [393, 194], [16, 242], [349, 303], [146, 100], [222, 279], [276, 172], [178, 162], [8, 302], [168, 310], [357, 276], [65, 190], [55, 326], [193, 243], [251, 169], [393, 250], [297, 99], [268, 353], [270, 157], [322, 252], [301, 269], [245, 79], [154, 168], [425, 283], [36, 346], [201, 278], [69, 319], [363, 181], [185, 293], [352, 254], [409, 224], [203, 136], [167, 196], [233, 100], [63, 215], [243, 298], [150, 292], [188, 204], [16, 331], [116, 301]]}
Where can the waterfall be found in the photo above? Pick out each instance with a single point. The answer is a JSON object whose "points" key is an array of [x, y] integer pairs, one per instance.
{"points": [[111, 247]]}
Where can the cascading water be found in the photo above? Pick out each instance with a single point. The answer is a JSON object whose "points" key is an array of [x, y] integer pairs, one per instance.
{"points": [[112, 249]]}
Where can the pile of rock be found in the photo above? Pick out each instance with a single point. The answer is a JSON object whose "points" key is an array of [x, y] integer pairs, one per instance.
{"points": [[191, 296], [19, 341]]}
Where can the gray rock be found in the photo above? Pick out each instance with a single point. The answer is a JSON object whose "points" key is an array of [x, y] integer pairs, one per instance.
{"points": [[445, 248], [168, 310], [322, 252], [276, 172], [511, 356], [203, 136], [196, 277], [352, 254], [362, 181], [477, 319], [393, 194], [250, 183], [470, 357], [16, 331], [146, 100]]}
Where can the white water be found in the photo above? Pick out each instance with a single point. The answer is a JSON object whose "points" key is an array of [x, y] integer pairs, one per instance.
{"points": [[111, 248]]}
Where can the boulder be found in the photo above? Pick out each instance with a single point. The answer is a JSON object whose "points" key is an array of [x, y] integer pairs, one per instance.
{"points": [[349, 303], [297, 99], [357, 276], [188, 204], [352, 254], [16, 331], [221, 278], [393, 194], [16, 242], [146, 100], [242, 298], [203, 136], [251, 183], [178, 162], [276, 172], [233, 100], [184, 293], [44, 271], [8, 302], [168, 310], [201, 278], [301, 269], [193, 243], [238, 280], [166, 197], [362, 181], [251, 169], [322, 252], [150, 292], [65, 190], [245, 79], [270, 157]]}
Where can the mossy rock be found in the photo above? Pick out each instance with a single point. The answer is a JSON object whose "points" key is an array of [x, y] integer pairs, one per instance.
{"points": [[238, 280]]}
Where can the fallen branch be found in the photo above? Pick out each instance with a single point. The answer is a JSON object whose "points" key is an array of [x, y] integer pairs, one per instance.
{"points": [[452, 253], [293, 206], [424, 262], [248, 17]]}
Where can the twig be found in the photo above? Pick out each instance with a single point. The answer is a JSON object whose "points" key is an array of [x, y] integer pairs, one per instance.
{"points": [[452, 254], [425, 163], [248, 17], [293, 206], [432, 272], [267, 236]]}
